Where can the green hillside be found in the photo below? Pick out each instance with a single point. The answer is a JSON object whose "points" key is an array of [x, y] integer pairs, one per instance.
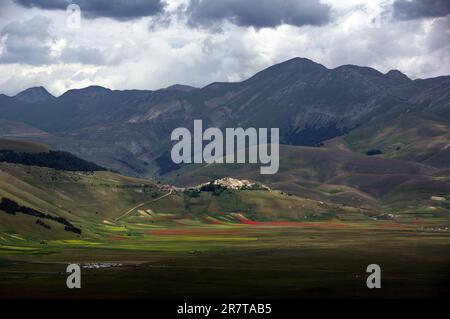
{"points": [[84, 198], [35, 154], [412, 137], [340, 176], [88, 199], [23, 146]]}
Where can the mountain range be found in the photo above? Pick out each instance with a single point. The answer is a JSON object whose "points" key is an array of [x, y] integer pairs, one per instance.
{"points": [[129, 130], [330, 121]]}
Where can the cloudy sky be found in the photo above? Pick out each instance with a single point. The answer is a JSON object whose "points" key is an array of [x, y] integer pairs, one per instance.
{"points": [[150, 44]]}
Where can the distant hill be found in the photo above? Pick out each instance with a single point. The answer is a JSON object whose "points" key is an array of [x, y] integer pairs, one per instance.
{"points": [[16, 129], [34, 154], [34, 94], [181, 87], [23, 146]]}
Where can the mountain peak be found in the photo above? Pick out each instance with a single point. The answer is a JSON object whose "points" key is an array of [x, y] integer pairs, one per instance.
{"points": [[299, 62], [397, 75], [290, 68], [34, 94], [96, 87], [92, 89], [363, 70], [181, 87]]}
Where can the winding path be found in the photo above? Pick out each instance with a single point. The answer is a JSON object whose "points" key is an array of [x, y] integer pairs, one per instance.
{"points": [[142, 204]]}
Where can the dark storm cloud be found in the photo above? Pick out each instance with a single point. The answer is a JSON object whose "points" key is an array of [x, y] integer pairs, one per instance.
{"points": [[414, 9], [258, 13], [116, 9]]}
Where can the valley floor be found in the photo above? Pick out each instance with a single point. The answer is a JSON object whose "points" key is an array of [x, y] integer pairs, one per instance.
{"points": [[323, 259]]}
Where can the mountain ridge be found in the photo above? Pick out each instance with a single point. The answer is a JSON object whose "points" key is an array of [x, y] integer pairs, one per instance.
{"points": [[295, 60], [129, 130]]}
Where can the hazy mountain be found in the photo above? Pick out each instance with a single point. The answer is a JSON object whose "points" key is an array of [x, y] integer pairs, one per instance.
{"points": [[34, 94], [14, 128], [181, 87]]}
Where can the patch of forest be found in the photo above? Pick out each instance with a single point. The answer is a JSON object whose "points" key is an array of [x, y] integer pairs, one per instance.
{"points": [[53, 159], [11, 207]]}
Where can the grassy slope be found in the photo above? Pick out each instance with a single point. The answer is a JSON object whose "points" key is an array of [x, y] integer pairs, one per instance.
{"points": [[93, 199], [83, 198], [231, 206], [412, 137], [337, 175], [90, 199], [23, 146], [13, 129]]}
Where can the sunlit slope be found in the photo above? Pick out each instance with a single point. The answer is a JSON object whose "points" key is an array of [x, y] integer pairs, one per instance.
{"points": [[424, 139], [92, 201], [80, 197], [239, 206], [337, 175]]}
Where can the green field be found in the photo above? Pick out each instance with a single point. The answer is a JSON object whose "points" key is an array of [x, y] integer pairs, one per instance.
{"points": [[318, 259]]}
